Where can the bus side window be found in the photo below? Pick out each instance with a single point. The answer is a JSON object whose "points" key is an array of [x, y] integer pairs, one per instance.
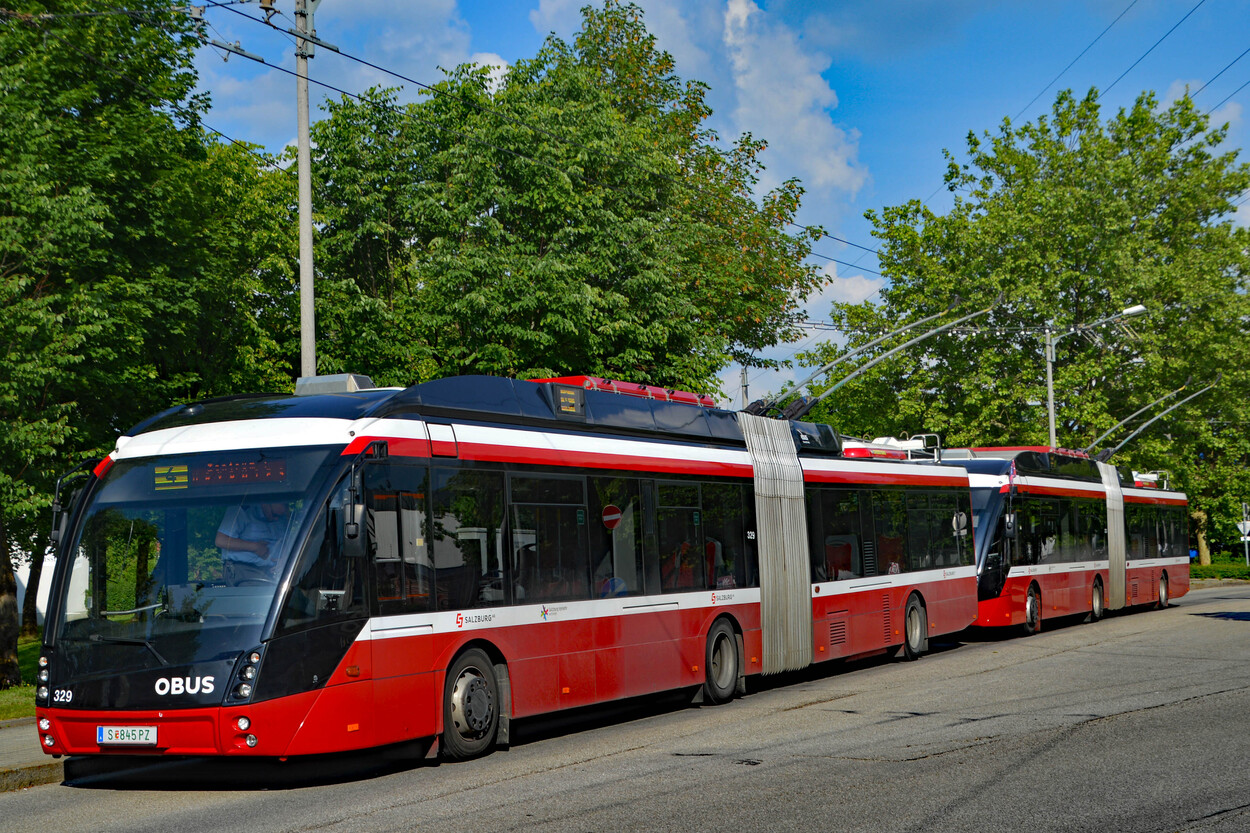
{"points": [[889, 514], [327, 585], [680, 530], [549, 538], [466, 532], [615, 537], [835, 543], [725, 535], [395, 497]]}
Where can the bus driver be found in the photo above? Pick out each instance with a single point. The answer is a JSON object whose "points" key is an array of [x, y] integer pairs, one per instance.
{"points": [[248, 536]]}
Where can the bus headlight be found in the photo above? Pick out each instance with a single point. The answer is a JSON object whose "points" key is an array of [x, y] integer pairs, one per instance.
{"points": [[43, 675], [246, 672], [42, 692], [49, 741], [44, 724], [243, 723]]}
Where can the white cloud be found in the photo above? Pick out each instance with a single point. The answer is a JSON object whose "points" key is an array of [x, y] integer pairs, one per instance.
{"points": [[1230, 113], [563, 17], [497, 65], [257, 104], [1178, 88], [782, 98], [852, 289]]}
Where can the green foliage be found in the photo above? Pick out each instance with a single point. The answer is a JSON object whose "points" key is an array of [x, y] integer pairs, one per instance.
{"points": [[28, 656], [576, 219], [129, 244], [1220, 570], [1074, 219], [140, 262], [19, 700]]}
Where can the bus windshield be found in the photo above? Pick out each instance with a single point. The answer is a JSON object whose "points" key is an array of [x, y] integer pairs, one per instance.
{"points": [[987, 506], [177, 559]]}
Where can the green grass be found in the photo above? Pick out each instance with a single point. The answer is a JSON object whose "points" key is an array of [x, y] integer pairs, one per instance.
{"points": [[20, 700], [1223, 565]]}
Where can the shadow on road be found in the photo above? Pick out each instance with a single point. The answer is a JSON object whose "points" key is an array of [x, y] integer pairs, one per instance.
{"points": [[126, 773], [1236, 616]]}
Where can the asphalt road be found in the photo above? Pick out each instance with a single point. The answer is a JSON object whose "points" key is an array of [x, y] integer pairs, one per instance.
{"points": [[1136, 723]]}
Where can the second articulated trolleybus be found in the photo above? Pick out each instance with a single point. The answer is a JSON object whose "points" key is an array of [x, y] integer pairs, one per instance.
{"points": [[1060, 534], [350, 567]]}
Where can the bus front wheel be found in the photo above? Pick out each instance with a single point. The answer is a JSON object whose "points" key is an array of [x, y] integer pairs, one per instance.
{"points": [[470, 707], [721, 663], [1163, 592]]}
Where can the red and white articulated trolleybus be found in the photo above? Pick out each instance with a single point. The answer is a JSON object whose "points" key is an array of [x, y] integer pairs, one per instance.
{"points": [[350, 567], [1060, 534]]}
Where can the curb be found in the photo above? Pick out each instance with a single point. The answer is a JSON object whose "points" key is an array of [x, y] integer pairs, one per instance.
{"points": [[31, 776], [1203, 583]]}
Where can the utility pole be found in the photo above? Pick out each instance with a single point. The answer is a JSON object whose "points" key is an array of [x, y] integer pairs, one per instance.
{"points": [[744, 386], [1050, 386], [304, 10]]}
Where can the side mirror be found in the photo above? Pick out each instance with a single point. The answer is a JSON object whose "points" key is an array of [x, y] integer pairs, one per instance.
{"points": [[353, 540], [1009, 524], [354, 510]]}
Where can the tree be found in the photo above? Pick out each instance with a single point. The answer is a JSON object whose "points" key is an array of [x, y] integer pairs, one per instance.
{"points": [[578, 218], [1074, 219], [128, 244]]}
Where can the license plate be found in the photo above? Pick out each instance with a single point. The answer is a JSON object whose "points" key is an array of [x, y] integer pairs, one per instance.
{"points": [[125, 735]]}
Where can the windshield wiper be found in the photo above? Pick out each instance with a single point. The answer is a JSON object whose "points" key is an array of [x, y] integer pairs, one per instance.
{"points": [[121, 640], [108, 613]]}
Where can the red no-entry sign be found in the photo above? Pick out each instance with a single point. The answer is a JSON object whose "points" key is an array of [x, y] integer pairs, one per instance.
{"points": [[611, 516]]}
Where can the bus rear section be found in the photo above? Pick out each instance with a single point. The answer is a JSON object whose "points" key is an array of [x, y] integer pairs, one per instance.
{"points": [[1059, 536], [892, 549]]}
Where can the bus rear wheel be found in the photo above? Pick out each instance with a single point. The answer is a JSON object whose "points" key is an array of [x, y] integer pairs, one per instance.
{"points": [[1032, 611], [1095, 601], [1163, 592], [915, 630], [470, 707], [721, 663]]}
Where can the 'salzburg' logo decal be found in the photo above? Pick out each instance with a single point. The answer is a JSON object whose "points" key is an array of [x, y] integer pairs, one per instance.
{"points": [[184, 685]]}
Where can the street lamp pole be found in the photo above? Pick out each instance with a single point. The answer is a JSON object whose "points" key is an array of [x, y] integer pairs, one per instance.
{"points": [[1051, 338]]}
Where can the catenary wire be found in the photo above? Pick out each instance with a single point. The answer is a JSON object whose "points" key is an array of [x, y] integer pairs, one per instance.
{"points": [[1221, 72], [1152, 48], [1073, 62], [494, 113], [138, 85]]}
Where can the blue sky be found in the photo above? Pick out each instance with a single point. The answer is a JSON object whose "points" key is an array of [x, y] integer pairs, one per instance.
{"points": [[855, 98]]}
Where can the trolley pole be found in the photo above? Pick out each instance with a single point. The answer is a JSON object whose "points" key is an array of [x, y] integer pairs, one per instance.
{"points": [[307, 321]]}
